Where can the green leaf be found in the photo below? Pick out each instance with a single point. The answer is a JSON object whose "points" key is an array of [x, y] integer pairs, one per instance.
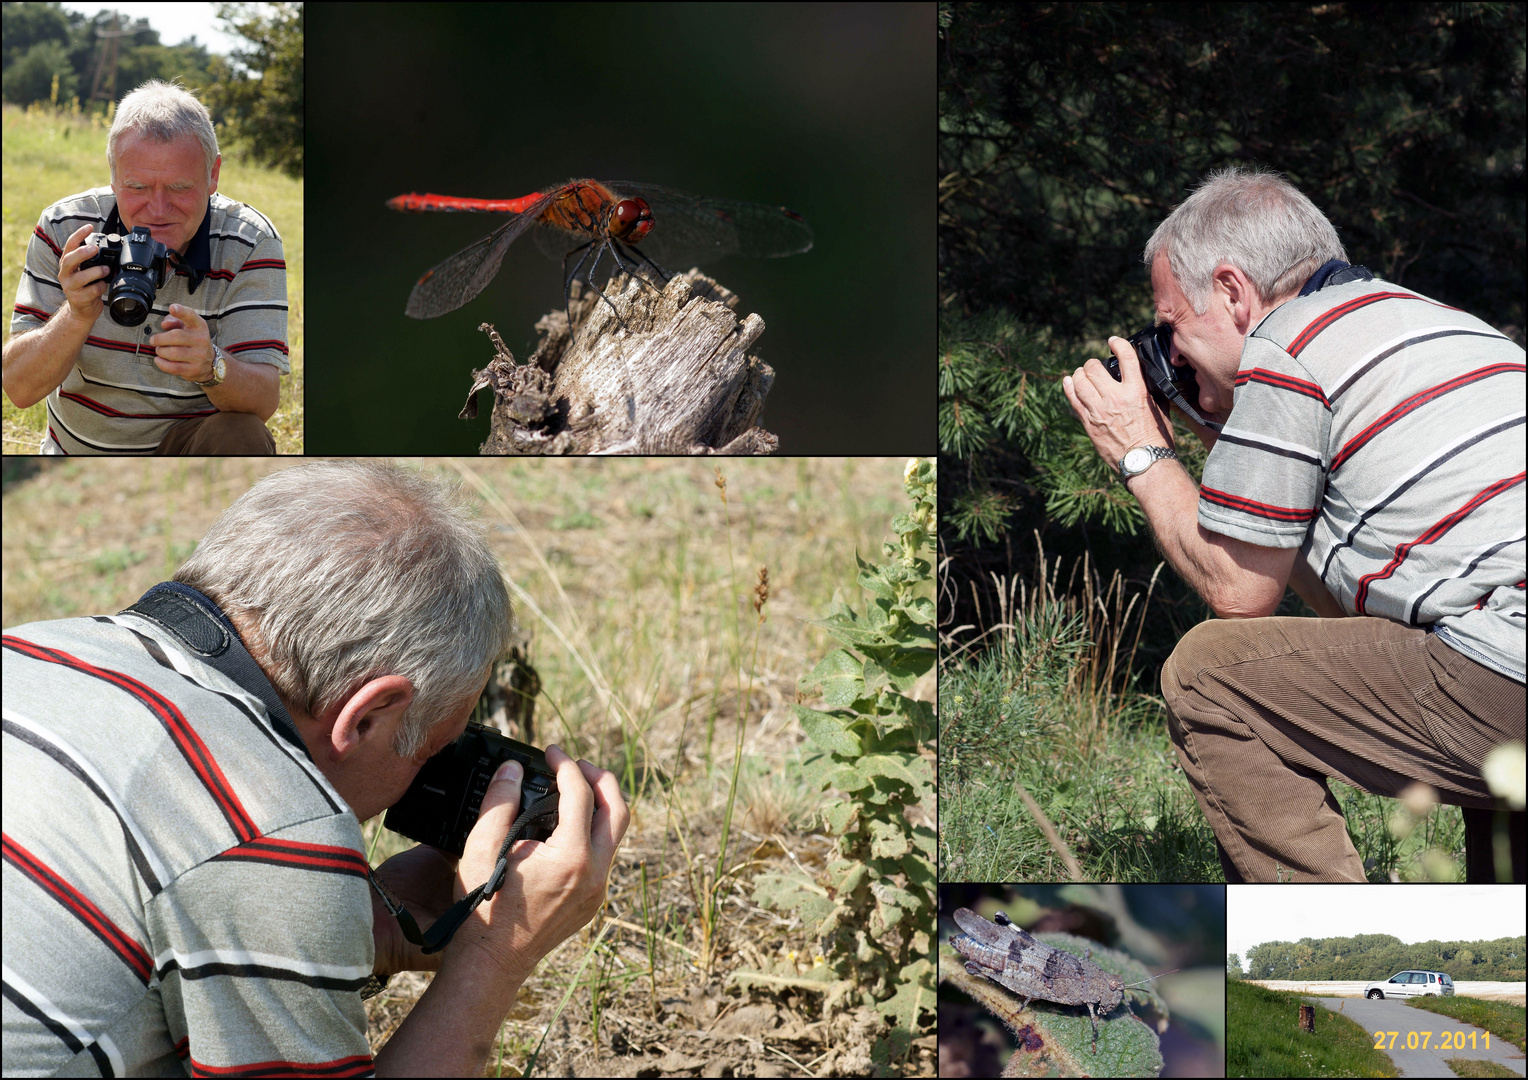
{"points": [[792, 892], [828, 731], [837, 815], [888, 840], [908, 768], [914, 997], [873, 580], [841, 677], [850, 875]]}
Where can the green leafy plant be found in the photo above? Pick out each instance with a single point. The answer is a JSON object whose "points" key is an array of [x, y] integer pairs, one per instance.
{"points": [[872, 911]]}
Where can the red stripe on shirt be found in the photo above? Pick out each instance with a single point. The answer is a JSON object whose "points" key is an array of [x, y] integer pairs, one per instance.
{"points": [[1283, 382], [300, 854], [181, 732], [1259, 509], [357, 1065], [252, 346], [1434, 532], [107, 410], [1327, 318], [132, 954], [1416, 401]]}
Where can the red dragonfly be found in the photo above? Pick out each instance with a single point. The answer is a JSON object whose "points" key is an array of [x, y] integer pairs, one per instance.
{"points": [[586, 218]]}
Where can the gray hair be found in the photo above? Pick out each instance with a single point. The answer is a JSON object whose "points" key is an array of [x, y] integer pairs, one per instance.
{"points": [[348, 570], [164, 113], [1256, 221]]}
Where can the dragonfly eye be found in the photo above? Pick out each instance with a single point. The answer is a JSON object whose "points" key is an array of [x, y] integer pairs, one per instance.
{"points": [[633, 220]]}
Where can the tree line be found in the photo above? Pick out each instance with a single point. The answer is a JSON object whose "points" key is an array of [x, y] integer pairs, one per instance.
{"points": [[1378, 956]]}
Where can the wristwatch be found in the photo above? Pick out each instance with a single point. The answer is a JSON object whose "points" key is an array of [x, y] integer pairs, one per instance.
{"points": [[219, 369], [1141, 458]]}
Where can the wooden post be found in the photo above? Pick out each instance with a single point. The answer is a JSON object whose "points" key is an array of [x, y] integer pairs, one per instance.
{"points": [[1308, 1018], [676, 378]]}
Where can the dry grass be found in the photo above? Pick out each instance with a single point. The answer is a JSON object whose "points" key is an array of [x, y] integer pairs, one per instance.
{"points": [[636, 622]]}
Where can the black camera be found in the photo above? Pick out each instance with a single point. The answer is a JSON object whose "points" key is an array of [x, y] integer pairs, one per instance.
{"points": [[1166, 381], [441, 805], [140, 265]]}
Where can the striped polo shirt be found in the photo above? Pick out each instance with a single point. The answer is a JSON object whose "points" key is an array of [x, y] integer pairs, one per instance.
{"points": [[185, 893], [1382, 433], [114, 400]]}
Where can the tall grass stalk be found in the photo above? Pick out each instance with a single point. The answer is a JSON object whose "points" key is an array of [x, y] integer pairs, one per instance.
{"points": [[1100, 677]]}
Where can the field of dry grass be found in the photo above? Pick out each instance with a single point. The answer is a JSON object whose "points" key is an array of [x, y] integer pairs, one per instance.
{"points": [[634, 592]]}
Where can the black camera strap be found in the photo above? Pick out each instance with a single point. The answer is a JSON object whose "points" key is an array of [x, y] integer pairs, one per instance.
{"points": [[442, 929], [202, 628]]}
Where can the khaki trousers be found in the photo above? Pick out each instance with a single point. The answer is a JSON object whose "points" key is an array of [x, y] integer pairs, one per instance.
{"points": [[219, 433], [1262, 711]]}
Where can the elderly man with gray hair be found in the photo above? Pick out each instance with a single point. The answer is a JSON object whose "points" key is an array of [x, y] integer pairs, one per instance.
{"points": [[1370, 455], [186, 884], [198, 370]]}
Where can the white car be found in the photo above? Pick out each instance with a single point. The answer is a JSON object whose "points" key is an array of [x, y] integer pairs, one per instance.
{"points": [[1412, 984]]}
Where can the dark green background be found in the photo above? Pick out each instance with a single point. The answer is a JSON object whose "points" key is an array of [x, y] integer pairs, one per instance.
{"points": [[829, 110]]}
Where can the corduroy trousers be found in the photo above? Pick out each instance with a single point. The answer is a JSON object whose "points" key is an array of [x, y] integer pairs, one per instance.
{"points": [[1263, 711]]}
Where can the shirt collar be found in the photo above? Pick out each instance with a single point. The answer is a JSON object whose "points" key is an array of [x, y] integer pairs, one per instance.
{"points": [[197, 261]]}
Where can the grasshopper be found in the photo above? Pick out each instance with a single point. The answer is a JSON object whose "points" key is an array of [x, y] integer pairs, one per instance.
{"points": [[1032, 969]]}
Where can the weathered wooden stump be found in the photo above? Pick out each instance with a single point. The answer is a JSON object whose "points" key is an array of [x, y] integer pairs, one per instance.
{"points": [[1308, 1018], [663, 373]]}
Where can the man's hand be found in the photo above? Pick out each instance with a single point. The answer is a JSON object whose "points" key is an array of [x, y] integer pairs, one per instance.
{"points": [[1116, 415], [184, 345], [422, 878], [553, 887], [84, 290]]}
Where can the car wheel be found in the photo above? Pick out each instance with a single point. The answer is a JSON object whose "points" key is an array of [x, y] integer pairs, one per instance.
{"points": [[1373, 994]]}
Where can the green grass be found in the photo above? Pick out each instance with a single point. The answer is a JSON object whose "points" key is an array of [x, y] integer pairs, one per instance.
{"points": [[1263, 1038], [1048, 703], [49, 155], [1048, 707], [1503, 1019]]}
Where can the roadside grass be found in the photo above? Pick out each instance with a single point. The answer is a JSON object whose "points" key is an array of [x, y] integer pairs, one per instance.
{"points": [[1263, 1038], [1503, 1019], [1478, 1067], [642, 631], [1044, 703], [50, 154]]}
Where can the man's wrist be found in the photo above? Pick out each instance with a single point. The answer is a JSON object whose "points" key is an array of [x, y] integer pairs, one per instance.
{"points": [[219, 369]]}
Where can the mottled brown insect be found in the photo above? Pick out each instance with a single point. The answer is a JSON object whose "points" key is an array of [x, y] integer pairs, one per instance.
{"points": [[1032, 969]]}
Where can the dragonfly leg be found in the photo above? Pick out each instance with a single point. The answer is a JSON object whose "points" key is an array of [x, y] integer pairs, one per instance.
{"points": [[639, 256]]}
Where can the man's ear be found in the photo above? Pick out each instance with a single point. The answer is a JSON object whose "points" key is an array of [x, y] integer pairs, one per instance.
{"points": [[374, 710]]}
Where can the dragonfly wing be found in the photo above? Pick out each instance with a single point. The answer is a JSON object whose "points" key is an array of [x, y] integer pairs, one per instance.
{"points": [[688, 228], [460, 278]]}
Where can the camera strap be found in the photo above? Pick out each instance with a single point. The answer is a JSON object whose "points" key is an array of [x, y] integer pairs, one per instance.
{"points": [[203, 630]]}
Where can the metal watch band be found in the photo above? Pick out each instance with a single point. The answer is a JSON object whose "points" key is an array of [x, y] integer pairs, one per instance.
{"points": [[218, 358], [1158, 453]]}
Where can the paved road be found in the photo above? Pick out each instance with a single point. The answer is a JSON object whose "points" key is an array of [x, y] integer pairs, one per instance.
{"points": [[1391, 1014]]}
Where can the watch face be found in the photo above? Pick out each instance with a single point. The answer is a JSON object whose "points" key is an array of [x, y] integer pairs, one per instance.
{"points": [[1138, 459]]}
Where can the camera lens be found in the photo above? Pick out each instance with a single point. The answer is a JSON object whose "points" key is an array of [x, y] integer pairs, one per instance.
{"points": [[131, 296]]}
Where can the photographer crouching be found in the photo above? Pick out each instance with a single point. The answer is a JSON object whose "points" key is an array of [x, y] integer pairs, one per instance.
{"points": [[1366, 450], [152, 314], [186, 885]]}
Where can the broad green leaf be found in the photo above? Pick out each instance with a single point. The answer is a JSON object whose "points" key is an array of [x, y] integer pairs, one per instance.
{"points": [[828, 731], [841, 677], [888, 840]]}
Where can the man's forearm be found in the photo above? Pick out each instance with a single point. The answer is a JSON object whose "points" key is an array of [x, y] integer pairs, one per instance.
{"points": [[249, 388], [37, 362], [451, 1029], [1206, 560]]}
